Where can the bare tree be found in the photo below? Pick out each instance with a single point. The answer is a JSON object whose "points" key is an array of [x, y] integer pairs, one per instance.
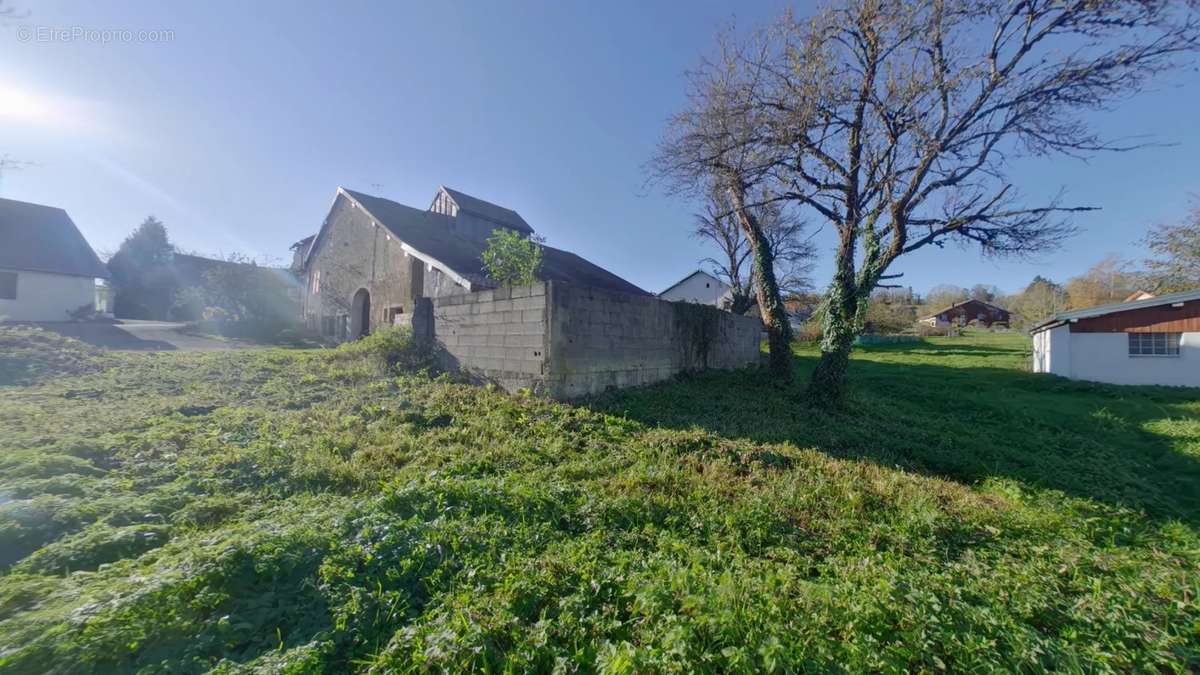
{"points": [[899, 119], [8, 11], [720, 142], [1110, 280], [1176, 265], [785, 232]]}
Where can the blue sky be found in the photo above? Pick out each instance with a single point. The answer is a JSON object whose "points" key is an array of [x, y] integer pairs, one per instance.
{"points": [[237, 131]]}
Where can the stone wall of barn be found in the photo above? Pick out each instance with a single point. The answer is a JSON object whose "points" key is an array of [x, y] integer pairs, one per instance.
{"points": [[354, 253], [568, 341]]}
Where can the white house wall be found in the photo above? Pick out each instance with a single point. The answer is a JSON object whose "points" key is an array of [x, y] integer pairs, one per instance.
{"points": [[1104, 357], [42, 296], [1052, 351], [698, 288]]}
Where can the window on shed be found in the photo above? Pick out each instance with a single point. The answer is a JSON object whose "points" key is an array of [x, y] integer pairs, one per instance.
{"points": [[1154, 344], [8, 285]]}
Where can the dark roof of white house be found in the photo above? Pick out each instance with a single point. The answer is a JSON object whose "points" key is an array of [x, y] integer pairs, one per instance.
{"points": [[430, 234], [1115, 307], [488, 211], [44, 239]]}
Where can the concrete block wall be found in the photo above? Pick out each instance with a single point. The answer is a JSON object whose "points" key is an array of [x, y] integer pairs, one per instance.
{"points": [[568, 341], [603, 339], [498, 335]]}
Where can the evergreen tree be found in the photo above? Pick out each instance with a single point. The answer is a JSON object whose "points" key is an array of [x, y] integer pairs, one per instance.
{"points": [[142, 274]]}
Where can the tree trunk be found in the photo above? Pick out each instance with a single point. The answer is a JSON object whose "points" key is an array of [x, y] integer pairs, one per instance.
{"points": [[842, 323], [829, 378], [770, 304]]}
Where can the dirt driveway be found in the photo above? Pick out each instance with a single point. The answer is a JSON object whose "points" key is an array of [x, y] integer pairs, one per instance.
{"points": [[131, 335]]}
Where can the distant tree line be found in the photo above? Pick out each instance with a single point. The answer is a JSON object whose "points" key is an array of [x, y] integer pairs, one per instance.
{"points": [[1172, 266]]}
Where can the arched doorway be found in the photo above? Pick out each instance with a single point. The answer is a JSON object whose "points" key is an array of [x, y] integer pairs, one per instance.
{"points": [[360, 314]]}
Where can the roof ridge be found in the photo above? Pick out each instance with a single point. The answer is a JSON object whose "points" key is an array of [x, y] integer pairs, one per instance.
{"points": [[1113, 307], [40, 206]]}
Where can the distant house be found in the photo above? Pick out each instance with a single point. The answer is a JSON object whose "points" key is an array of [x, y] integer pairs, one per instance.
{"points": [[373, 258], [699, 287], [1151, 341], [798, 312], [968, 312], [1138, 295], [48, 271]]}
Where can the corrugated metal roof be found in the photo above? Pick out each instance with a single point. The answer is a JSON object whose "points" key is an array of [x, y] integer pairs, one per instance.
{"points": [[44, 239], [1112, 308]]}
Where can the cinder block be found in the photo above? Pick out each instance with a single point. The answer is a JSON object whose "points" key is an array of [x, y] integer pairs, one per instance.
{"points": [[488, 351], [517, 340], [522, 365], [487, 363], [529, 303]]}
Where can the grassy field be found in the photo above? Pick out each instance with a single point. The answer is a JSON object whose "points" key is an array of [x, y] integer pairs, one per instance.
{"points": [[308, 511]]}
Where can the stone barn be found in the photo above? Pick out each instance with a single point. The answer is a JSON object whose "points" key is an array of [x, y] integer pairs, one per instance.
{"points": [[374, 257], [580, 330]]}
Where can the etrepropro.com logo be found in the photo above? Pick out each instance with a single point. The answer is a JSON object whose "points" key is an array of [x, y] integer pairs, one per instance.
{"points": [[44, 34]]}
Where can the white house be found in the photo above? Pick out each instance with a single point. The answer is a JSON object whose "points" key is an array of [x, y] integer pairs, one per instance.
{"points": [[1150, 341], [47, 269], [699, 287]]}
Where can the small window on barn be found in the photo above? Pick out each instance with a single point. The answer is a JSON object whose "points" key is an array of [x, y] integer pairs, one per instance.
{"points": [[1154, 344], [8, 285]]}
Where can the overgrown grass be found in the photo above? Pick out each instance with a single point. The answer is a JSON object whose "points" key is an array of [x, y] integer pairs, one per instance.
{"points": [[315, 511], [29, 354]]}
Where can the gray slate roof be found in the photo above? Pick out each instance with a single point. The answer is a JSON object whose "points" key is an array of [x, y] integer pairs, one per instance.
{"points": [[44, 239], [191, 270], [1114, 307], [430, 233], [488, 210]]}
